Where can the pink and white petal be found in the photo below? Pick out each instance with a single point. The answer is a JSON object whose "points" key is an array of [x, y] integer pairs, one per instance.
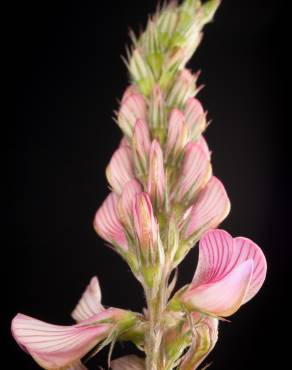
{"points": [[127, 199], [124, 142], [156, 176], [130, 90], [130, 362], [90, 302], [215, 252], [203, 144], [54, 346], [107, 223], [224, 297], [120, 169], [196, 172], [195, 118], [177, 133], [133, 107], [245, 249], [210, 209]]}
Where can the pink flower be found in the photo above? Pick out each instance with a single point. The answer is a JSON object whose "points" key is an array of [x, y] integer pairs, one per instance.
{"points": [[141, 147], [120, 169], [209, 210], [130, 362], [195, 118], [183, 88], [90, 302], [230, 272], [133, 107], [156, 176], [54, 346], [126, 202], [146, 227], [195, 173], [107, 223], [177, 135]]}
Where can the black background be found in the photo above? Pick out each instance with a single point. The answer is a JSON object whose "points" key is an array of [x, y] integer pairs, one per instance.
{"points": [[67, 76]]}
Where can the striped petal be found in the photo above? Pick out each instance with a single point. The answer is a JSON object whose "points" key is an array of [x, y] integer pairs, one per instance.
{"points": [[222, 297], [195, 118], [141, 147], [209, 210], [203, 144], [90, 302], [54, 346], [107, 223], [196, 172], [133, 107], [220, 254], [126, 201], [177, 135], [156, 176], [130, 362], [120, 169]]}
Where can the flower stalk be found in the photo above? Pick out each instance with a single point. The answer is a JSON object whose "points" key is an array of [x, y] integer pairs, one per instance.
{"points": [[164, 200]]}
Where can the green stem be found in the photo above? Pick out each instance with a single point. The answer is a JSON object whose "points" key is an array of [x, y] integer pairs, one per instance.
{"points": [[156, 302]]}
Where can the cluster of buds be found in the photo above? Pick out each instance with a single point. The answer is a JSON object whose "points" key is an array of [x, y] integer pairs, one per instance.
{"points": [[164, 199]]}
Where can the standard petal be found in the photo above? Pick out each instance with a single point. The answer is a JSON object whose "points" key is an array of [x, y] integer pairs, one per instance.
{"points": [[130, 362], [54, 346], [120, 169], [195, 173], [209, 210], [215, 253], [90, 302], [195, 118], [177, 135], [133, 107], [220, 253], [127, 199], [246, 249], [223, 297], [107, 223]]}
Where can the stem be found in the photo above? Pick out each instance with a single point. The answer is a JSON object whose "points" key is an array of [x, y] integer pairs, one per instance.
{"points": [[156, 302]]}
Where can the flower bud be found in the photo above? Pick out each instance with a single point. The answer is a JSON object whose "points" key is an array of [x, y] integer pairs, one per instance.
{"points": [[146, 227], [120, 169], [157, 109], [209, 210], [126, 202], [177, 136], [183, 88], [133, 107], [156, 175], [205, 336], [141, 148], [141, 72], [195, 173], [195, 118]]}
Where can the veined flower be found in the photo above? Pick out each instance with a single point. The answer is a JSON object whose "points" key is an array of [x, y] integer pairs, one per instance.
{"points": [[209, 210], [120, 169], [107, 223], [133, 107], [55, 346], [229, 273], [195, 118]]}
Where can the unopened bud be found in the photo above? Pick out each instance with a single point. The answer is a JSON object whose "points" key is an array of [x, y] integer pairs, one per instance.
{"points": [[183, 88], [156, 175]]}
